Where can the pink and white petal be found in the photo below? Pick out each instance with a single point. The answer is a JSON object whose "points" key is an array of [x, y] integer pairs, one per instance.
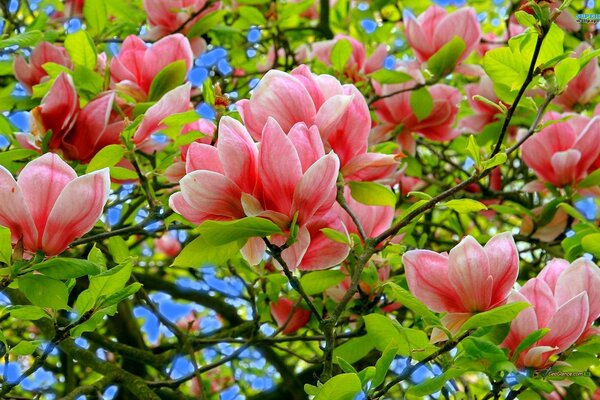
{"points": [[175, 171], [182, 207], [41, 182], [375, 60], [238, 154], [212, 193], [524, 323], [587, 144], [164, 52], [329, 117], [420, 41], [537, 357], [552, 271], [569, 322], [202, 156], [14, 212], [323, 253], [503, 260], [174, 102], [581, 276], [281, 170], [540, 296], [308, 144], [564, 164], [469, 273], [76, 211], [452, 322], [292, 256], [254, 250], [426, 273], [317, 188]]}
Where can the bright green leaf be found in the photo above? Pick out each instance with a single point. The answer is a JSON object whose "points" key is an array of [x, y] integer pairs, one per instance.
{"points": [[591, 244], [372, 194], [495, 316], [81, 49], [27, 313], [167, 79], [199, 252], [421, 103], [444, 60], [316, 282], [5, 245], [95, 15], [340, 387], [222, 232], [388, 76], [43, 291], [67, 268], [336, 236], [340, 54], [109, 156], [464, 206]]}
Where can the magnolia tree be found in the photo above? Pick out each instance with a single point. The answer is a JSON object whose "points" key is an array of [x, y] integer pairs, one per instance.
{"points": [[294, 199]]}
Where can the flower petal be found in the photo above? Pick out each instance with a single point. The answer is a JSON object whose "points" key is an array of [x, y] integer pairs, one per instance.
{"points": [[503, 260], [14, 212], [568, 323], [469, 273], [238, 154], [212, 193]]}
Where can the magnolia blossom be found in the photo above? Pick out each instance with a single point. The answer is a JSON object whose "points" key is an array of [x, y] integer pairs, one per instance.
{"points": [[289, 175], [168, 245], [78, 132], [136, 66], [562, 153], [484, 114], [358, 63], [32, 73], [339, 112], [48, 206], [435, 27], [470, 279], [549, 231], [395, 111], [171, 16], [288, 317], [585, 86], [565, 299]]}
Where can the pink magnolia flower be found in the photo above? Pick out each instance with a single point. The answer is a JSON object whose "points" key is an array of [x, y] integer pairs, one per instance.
{"points": [[394, 110], [340, 113], [78, 133], [32, 73], [281, 311], [585, 86], [470, 279], [562, 153], [290, 174], [548, 232], [484, 114], [48, 206], [435, 27], [358, 64], [564, 298], [136, 66], [168, 245], [173, 102], [171, 16]]}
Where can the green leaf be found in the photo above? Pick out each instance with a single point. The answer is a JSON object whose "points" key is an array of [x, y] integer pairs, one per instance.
{"points": [[383, 364], [199, 252], [340, 54], [381, 330], [592, 179], [167, 79], [5, 245], [25, 348], [118, 248], [336, 236], [340, 387], [445, 59], [25, 39], [372, 194], [566, 70], [88, 82], [7, 157], [354, 349], [44, 292], [81, 49], [419, 195], [529, 341], [109, 156], [222, 232], [316, 282], [387, 76], [572, 211], [421, 103], [103, 285], [208, 92], [68, 268], [591, 244], [122, 174], [525, 19], [495, 316], [434, 384], [498, 159], [27, 313], [181, 119], [252, 15], [94, 322], [507, 70], [121, 295], [397, 293], [206, 23], [464, 206], [345, 366], [95, 15], [473, 151]]}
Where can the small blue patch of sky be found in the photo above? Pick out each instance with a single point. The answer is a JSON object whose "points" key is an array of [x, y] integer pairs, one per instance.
{"points": [[81, 342], [368, 25], [72, 25], [192, 284], [198, 75], [588, 256], [231, 393], [113, 215], [113, 49], [4, 142], [253, 82], [363, 6], [40, 379], [181, 366], [588, 207], [211, 57], [570, 233], [499, 2], [206, 111], [21, 120], [19, 91], [253, 35], [13, 6], [446, 3], [469, 162], [389, 62], [591, 4], [482, 16], [110, 393], [4, 301], [150, 323], [250, 53], [224, 68], [12, 370]]}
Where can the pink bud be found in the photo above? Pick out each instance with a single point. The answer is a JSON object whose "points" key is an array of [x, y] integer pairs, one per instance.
{"points": [[281, 311]]}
